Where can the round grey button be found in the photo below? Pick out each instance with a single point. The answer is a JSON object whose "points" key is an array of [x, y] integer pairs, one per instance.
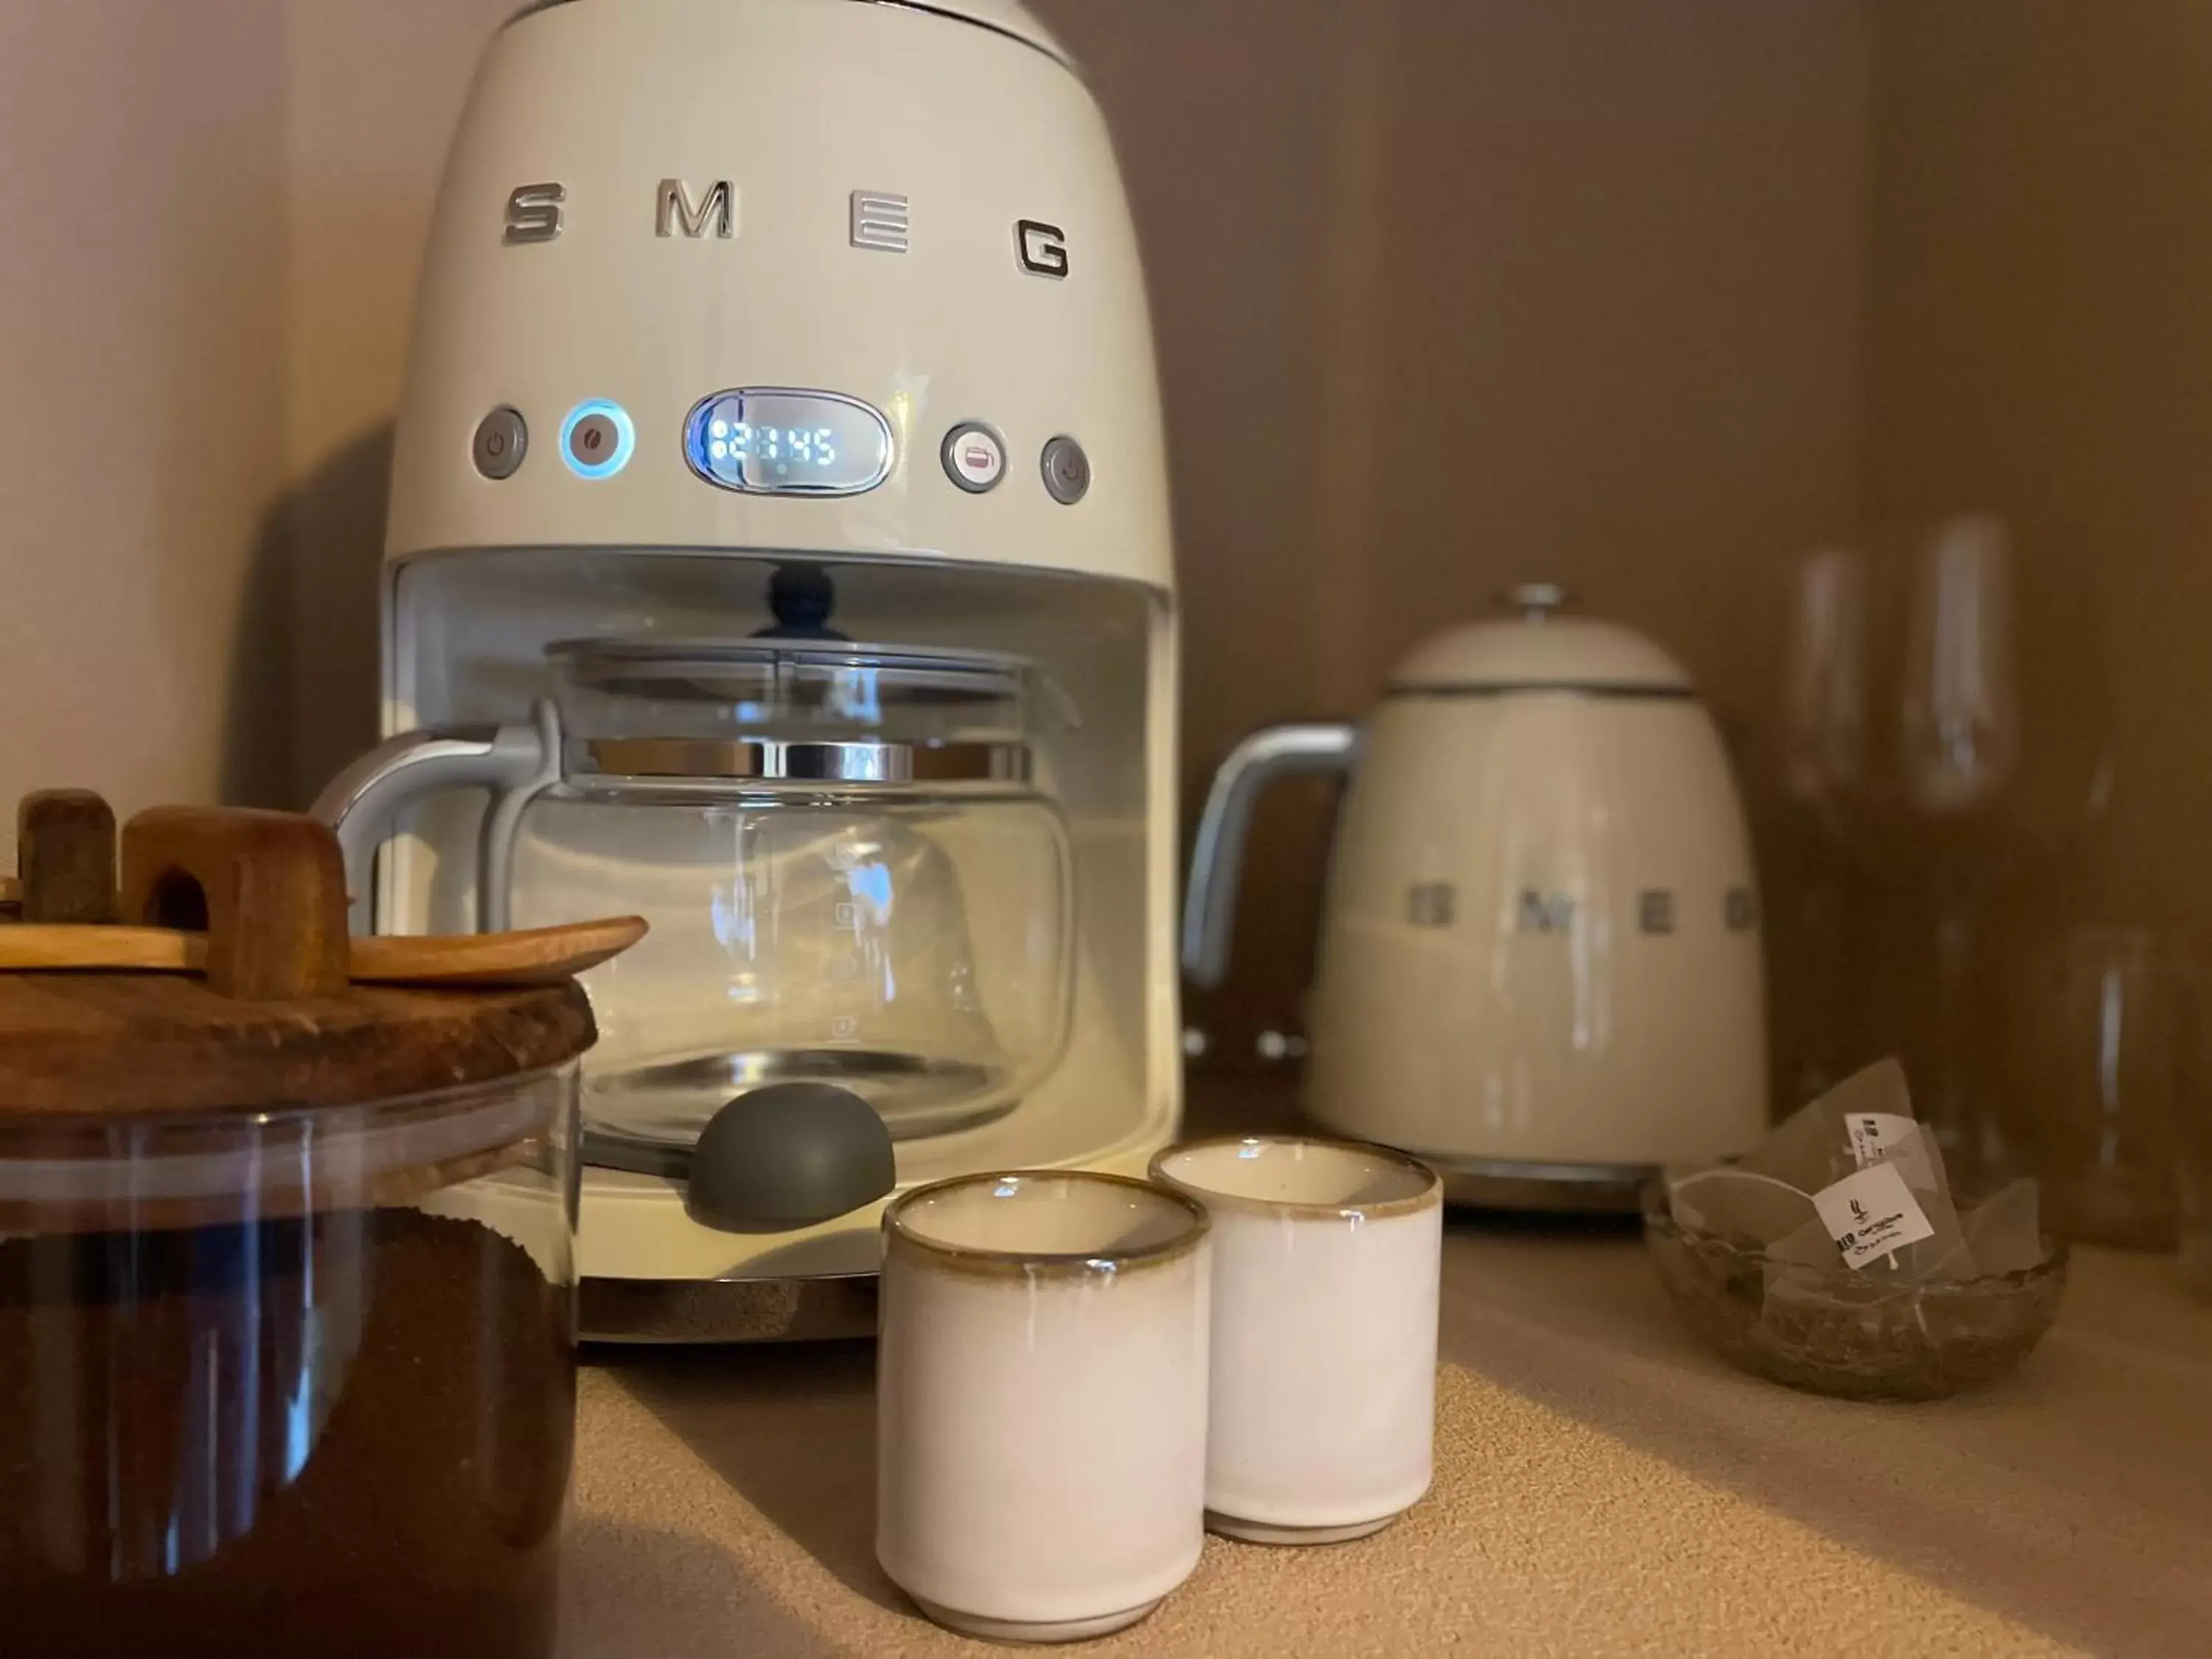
{"points": [[974, 458], [1066, 471], [500, 441], [595, 440]]}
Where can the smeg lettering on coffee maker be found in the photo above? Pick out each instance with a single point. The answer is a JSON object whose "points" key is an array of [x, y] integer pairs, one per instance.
{"points": [[881, 220]]}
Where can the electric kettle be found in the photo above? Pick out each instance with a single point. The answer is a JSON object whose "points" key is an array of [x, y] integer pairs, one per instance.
{"points": [[1539, 961]]}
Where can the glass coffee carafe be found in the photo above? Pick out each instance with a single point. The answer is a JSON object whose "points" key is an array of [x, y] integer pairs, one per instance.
{"points": [[850, 875]]}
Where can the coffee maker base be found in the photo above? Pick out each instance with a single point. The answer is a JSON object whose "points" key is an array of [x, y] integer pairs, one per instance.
{"points": [[648, 1271]]}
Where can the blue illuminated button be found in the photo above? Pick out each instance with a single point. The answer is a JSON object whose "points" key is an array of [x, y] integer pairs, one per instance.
{"points": [[597, 440]]}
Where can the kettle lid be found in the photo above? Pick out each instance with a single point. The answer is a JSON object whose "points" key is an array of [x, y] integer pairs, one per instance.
{"points": [[1538, 648]]}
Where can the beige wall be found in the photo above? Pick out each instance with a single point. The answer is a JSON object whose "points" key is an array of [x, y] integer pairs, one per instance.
{"points": [[142, 383], [210, 221], [371, 95], [2040, 327], [1450, 295]]}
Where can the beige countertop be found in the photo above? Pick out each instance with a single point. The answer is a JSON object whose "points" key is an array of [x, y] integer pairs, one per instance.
{"points": [[1604, 1485]]}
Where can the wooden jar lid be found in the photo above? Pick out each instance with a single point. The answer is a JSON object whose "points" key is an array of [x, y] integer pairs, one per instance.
{"points": [[274, 1022]]}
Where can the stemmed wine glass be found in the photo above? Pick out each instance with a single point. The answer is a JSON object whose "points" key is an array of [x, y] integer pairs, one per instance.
{"points": [[1933, 803], [1957, 760], [1823, 762]]}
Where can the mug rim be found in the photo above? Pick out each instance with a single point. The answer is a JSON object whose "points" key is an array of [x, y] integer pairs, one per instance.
{"points": [[1430, 1196], [898, 1234]]}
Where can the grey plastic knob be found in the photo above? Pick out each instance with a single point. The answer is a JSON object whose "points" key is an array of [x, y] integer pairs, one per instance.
{"points": [[788, 1154]]}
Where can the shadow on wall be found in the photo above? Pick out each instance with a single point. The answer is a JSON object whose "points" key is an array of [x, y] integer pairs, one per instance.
{"points": [[303, 697]]}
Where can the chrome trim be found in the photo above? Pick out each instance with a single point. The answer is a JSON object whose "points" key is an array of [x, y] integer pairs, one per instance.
{"points": [[882, 220], [915, 1098], [760, 651], [1041, 250], [673, 210], [535, 213], [774, 760], [1216, 854]]}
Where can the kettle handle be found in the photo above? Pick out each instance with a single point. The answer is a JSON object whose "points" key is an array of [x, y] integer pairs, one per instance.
{"points": [[1216, 855], [515, 763]]}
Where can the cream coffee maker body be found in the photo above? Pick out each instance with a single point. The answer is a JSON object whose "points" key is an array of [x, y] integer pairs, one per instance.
{"points": [[1539, 961], [778, 537]]}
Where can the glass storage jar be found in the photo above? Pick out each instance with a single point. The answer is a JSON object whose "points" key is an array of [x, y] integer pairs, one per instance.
{"points": [[286, 1293]]}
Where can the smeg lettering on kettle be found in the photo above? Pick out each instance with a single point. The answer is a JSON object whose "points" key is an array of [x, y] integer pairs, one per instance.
{"points": [[1538, 963]]}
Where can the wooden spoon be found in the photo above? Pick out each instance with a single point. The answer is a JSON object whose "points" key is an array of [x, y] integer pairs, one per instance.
{"points": [[535, 956]]}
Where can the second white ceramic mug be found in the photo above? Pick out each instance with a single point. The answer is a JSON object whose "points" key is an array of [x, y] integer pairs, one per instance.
{"points": [[1042, 1402], [1326, 1261]]}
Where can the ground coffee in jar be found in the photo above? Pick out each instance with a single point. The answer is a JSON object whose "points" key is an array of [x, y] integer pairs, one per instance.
{"points": [[343, 1434], [287, 1300]]}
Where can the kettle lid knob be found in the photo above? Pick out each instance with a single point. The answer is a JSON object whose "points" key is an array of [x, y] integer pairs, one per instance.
{"points": [[1536, 600]]}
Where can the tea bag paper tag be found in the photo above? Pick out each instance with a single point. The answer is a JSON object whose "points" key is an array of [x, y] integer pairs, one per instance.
{"points": [[1890, 1137], [1871, 1214]]}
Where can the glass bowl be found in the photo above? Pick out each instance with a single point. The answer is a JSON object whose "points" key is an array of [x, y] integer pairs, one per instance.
{"points": [[1837, 1332]]}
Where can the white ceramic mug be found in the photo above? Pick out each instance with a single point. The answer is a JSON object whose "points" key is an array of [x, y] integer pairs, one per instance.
{"points": [[1041, 1401], [1327, 1256]]}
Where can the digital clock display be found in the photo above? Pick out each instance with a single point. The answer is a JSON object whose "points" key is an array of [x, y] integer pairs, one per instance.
{"points": [[773, 441]]}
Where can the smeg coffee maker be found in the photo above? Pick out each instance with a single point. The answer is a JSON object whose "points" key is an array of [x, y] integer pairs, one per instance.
{"points": [[779, 551]]}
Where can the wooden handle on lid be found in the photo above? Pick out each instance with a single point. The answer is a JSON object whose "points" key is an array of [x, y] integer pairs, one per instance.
{"points": [[65, 857], [268, 888]]}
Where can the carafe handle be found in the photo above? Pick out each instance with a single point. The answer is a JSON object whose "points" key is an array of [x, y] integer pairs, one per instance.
{"points": [[515, 762], [1216, 856]]}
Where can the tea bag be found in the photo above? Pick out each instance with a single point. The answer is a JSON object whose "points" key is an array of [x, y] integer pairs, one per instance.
{"points": [[1731, 1202], [1824, 1151], [2004, 1233], [1810, 1246], [1942, 1254], [1829, 1138]]}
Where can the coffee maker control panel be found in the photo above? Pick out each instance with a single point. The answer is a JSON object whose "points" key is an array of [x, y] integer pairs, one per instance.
{"points": [[776, 440]]}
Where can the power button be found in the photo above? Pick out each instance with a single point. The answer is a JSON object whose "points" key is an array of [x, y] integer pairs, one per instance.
{"points": [[974, 457], [500, 441], [1066, 471]]}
